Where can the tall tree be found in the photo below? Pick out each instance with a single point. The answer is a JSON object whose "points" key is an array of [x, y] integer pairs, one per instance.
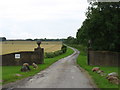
{"points": [[101, 26]]}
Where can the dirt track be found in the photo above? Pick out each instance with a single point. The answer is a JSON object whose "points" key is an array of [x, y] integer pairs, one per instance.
{"points": [[62, 74]]}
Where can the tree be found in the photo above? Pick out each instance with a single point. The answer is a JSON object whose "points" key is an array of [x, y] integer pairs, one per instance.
{"points": [[101, 26], [29, 40], [2, 39], [70, 40]]}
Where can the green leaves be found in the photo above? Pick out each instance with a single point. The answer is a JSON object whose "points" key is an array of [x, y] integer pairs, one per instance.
{"points": [[102, 26]]}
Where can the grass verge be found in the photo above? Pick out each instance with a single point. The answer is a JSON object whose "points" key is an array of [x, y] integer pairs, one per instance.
{"points": [[100, 81], [9, 72]]}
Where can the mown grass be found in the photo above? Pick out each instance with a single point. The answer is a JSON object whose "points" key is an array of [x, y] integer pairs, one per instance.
{"points": [[100, 81], [9, 72]]}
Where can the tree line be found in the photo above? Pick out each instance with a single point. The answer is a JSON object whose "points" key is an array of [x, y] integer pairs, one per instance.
{"points": [[101, 28], [29, 39]]}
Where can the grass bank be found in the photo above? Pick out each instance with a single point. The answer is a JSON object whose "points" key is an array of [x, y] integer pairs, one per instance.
{"points": [[100, 81], [9, 72]]}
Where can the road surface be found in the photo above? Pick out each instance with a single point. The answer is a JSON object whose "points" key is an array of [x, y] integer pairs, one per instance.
{"points": [[62, 74]]}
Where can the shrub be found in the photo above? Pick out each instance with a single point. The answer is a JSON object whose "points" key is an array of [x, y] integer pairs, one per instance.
{"points": [[49, 55], [59, 52], [56, 53], [64, 48]]}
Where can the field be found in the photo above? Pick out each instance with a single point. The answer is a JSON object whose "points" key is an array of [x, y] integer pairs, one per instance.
{"points": [[16, 46]]}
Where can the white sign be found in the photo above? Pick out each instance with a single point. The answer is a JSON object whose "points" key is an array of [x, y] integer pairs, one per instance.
{"points": [[17, 56]]}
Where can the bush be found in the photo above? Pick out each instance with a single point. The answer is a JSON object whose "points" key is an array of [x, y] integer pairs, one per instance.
{"points": [[56, 53], [49, 55], [64, 48]]}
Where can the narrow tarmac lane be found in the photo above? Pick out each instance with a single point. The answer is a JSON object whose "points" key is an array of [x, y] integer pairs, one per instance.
{"points": [[62, 74]]}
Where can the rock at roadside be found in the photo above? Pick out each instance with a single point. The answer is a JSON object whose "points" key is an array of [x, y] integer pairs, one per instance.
{"points": [[18, 75], [113, 79], [25, 67], [95, 69], [113, 74]]}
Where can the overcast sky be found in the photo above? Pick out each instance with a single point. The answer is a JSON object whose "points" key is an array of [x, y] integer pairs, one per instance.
{"points": [[21, 19]]}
